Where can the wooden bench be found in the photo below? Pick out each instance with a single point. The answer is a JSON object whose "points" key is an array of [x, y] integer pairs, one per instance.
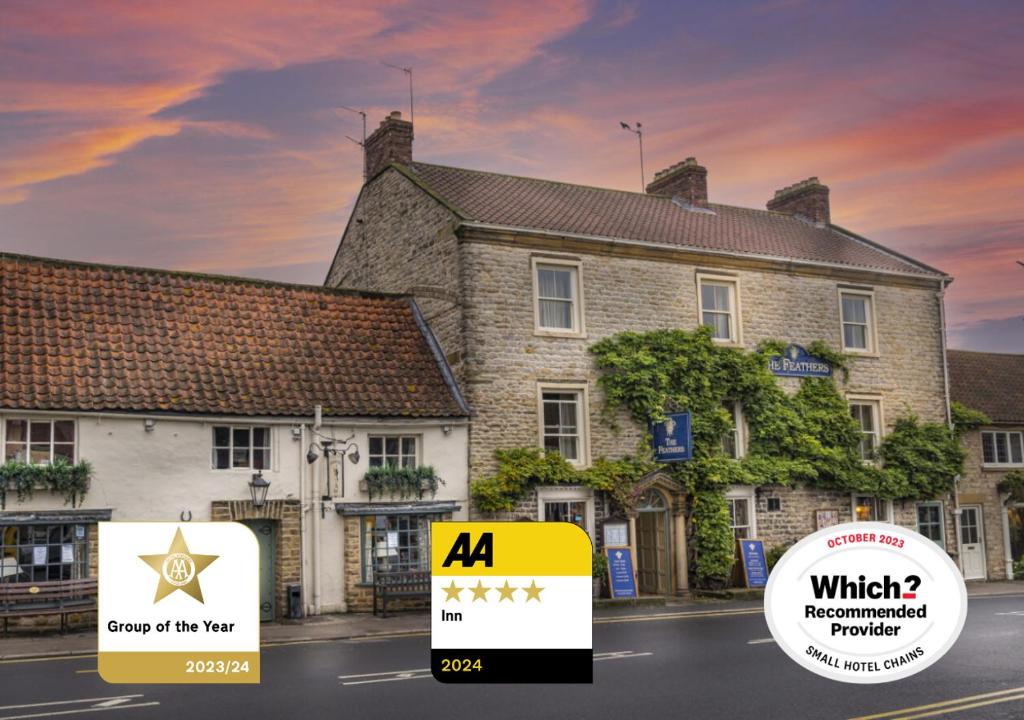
{"points": [[51, 597], [407, 583]]}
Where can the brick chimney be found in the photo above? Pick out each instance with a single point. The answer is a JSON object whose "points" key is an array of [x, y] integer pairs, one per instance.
{"points": [[686, 180], [391, 142], [808, 198]]}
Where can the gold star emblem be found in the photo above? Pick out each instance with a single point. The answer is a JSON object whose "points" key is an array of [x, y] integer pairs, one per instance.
{"points": [[453, 592], [178, 569], [506, 592], [533, 592], [480, 592]]}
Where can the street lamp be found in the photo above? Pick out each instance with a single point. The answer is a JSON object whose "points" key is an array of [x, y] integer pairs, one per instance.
{"points": [[258, 488]]}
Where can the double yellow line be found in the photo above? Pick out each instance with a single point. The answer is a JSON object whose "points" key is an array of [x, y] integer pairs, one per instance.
{"points": [[949, 706]]}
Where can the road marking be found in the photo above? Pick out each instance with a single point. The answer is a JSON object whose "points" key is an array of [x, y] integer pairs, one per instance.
{"points": [[366, 678], [760, 641], [91, 670], [45, 659], [678, 616], [948, 706], [48, 709], [1015, 612], [619, 655]]}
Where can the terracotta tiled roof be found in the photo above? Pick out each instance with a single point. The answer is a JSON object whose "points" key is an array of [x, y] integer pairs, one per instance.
{"points": [[990, 382], [534, 204], [93, 337]]}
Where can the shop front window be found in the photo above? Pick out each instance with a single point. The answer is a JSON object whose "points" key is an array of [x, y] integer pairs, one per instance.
{"points": [[395, 543], [36, 553]]}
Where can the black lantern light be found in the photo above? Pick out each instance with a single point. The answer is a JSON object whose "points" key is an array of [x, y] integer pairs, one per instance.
{"points": [[258, 488]]}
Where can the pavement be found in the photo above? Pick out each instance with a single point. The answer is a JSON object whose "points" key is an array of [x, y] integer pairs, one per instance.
{"points": [[692, 660], [23, 644]]}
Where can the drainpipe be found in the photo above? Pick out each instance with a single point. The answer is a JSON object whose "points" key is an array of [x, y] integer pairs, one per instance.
{"points": [[941, 297], [314, 505]]}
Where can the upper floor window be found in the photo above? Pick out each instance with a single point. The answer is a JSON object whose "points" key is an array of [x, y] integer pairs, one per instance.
{"points": [[1002, 448], [39, 441], [719, 307], [866, 413], [733, 440], [393, 450], [857, 317], [558, 305], [563, 422], [241, 447]]}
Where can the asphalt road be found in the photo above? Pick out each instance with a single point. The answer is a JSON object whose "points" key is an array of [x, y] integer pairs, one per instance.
{"points": [[704, 666]]}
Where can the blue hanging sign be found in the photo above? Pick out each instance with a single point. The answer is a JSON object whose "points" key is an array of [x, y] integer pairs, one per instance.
{"points": [[620, 572], [755, 568], [797, 362], [672, 438]]}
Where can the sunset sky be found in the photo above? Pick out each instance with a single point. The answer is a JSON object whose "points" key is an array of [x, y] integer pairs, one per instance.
{"points": [[211, 135]]}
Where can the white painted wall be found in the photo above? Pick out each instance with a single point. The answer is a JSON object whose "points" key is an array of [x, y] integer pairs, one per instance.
{"points": [[158, 475]]}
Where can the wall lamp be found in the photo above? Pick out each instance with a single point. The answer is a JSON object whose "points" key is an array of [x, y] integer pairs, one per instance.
{"points": [[258, 488], [329, 447]]}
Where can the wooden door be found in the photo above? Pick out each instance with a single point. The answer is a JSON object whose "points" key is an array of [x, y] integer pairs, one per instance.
{"points": [[264, 532], [652, 552]]}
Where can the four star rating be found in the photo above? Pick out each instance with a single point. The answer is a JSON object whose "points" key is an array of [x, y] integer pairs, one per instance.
{"points": [[480, 591]]}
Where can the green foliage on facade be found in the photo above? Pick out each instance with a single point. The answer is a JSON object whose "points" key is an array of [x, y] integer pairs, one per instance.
{"points": [[1012, 485], [966, 419], [401, 482], [70, 481], [805, 437], [519, 469]]}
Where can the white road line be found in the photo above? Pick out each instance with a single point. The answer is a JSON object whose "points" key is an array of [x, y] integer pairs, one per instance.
{"points": [[1015, 612], [68, 702], [622, 656], [760, 641], [76, 711], [382, 674], [380, 680]]}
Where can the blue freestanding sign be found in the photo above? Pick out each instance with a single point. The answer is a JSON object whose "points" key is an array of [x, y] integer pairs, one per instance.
{"points": [[620, 572], [755, 569], [672, 438], [797, 362]]}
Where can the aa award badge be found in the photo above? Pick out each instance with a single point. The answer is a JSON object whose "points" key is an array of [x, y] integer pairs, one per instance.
{"points": [[511, 603], [178, 603], [865, 602]]}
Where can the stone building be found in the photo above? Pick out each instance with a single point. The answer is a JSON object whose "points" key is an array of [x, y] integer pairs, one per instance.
{"points": [[182, 389], [991, 524], [519, 276]]}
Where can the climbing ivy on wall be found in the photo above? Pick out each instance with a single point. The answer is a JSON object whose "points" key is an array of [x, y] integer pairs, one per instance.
{"points": [[805, 437]]}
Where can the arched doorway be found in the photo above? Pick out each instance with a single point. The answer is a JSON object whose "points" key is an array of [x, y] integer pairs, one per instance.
{"points": [[653, 563]]}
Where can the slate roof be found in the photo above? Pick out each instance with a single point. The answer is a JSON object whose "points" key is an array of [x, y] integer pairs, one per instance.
{"points": [[533, 204], [77, 336], [990, 382]]}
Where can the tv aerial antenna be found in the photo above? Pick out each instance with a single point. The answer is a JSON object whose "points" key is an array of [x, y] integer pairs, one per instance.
{"points": [[357, 142], [407, 71], [639, 132]]}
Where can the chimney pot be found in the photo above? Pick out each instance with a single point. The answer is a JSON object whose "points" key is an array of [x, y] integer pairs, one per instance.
{"points": [[389, 143], [808, 198], [686, 180]]}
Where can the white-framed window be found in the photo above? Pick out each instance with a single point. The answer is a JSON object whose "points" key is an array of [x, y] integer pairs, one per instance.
{"points": [[39, 441], [867, 412], [868, 508], [394, 450], [564, 422], [857, 317], [734, 440], [742, 518], [393, 543], [567, 504], [930, 522], [241, 447], [718, 301], [1002, 448], [557, 296]]}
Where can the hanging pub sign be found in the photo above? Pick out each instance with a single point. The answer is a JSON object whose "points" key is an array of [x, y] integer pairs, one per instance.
{"points": [[672, 438], [795, 361]]}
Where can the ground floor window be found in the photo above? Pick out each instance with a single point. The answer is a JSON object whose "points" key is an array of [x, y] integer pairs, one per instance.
{"points": [[741, 512], [36, 553], [930, 523], [868, 508], [567, 504], [393, 543]]}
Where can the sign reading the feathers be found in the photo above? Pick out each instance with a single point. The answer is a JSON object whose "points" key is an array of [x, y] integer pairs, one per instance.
{"points": [[511, 602]]}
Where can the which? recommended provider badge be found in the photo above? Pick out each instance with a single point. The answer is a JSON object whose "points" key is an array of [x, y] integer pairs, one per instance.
{"points": [[865, 602], [178, 603], [511, 603]]}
